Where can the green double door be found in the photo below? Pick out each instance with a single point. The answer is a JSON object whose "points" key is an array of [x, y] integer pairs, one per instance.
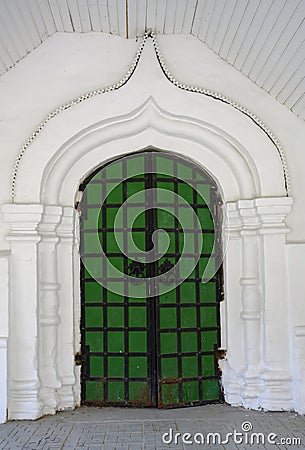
{"points": [[151, 283]]}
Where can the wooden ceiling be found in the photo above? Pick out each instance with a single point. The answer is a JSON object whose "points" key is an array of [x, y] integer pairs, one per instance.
{"points": [[264, 39]]}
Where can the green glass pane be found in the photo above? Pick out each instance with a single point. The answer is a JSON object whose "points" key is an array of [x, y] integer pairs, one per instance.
{"points": [[184, 172], [189, 341], [114, 193], [114, 170], [208, 292], [205, 218], [94, 316], [137, 316], [208, 340], [208, 242], [210, 390], [168, 342], [167, 193], [168, 297], [94, 194], [116, 341], [189, 366], [116, 365], [186, 192], [118, 263], [188, 292], [166, 218], [116, 391], [138, 239], [115, 316], [135, 217], [190, 391], [95, 341], [111, 242], [203, 194], [137, 367], [112, 297], [93, 292], [93, 267], [208, 316], [164, 166], [164, 245], [169, 368], [97, 176], [188, 317], [203, 263], [135, 187], [186, 264], [208, 365], [169, 394], [111, 213], [187, 242], [137, 341], [94, 390], [91, 242], [96, 366], [91, 218], [168, 317], [114, 290], [138, 392], [135, 166]]}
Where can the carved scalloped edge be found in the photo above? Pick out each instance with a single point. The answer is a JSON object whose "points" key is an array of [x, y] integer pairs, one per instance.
{"points": [[176, 83]]}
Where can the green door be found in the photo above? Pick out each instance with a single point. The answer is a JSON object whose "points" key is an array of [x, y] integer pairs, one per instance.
{"points": [[151, 282]]}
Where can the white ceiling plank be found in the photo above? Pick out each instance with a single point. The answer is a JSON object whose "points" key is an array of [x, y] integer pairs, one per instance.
{"points": [[189, 16], [214, 22], [20, 25], [56, 15], [5, 56], [197, 16], [299, 105], [47, 16], [104, 16], [121, 12], [224, 21], [65, 15], [237, 15], [3, 67], [38, 19], [281, 63], [132, 18], [286, 82], [151, 14], [113, 17], [75, 17], [294, 87], [29, 22], [84, 16], [11, 28], [170, 14], [245, 34], [160, 16], [180, 13], [302, 113], [253, 21], [94, 15], [141, 17], [282, 32], [295, 96], [7, 41], [208, 9]]}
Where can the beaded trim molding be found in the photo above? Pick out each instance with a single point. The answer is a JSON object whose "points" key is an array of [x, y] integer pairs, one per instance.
{"points": [[171, 78]]}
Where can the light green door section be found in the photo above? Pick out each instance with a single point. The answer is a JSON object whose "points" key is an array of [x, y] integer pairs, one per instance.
{"points": [[159, 349]]}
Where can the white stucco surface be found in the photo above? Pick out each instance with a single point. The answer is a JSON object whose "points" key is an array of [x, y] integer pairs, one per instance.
{"points": [[263, 304]]}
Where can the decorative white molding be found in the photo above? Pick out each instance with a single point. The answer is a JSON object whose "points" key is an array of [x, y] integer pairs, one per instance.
{"points": [[177, 84]]}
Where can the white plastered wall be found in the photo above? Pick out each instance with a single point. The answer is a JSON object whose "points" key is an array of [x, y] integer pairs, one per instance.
{"points": [[151, 111]]}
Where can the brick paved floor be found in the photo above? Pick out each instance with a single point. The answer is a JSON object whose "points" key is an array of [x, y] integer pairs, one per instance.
{"points": [[135, 429]]}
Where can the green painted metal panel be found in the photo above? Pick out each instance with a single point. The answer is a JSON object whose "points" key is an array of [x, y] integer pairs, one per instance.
{"points": [[160, 349]]}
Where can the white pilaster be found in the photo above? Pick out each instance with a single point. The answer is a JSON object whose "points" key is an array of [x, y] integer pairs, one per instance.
{"points": [[4, 255], [24, 402], [49, 318]]}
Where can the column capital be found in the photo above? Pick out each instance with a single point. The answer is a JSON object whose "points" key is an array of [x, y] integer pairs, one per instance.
{"points": [[23, 219]]}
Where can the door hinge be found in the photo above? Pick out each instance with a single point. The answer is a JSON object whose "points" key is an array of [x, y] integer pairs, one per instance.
{"points": [[78, 359]]}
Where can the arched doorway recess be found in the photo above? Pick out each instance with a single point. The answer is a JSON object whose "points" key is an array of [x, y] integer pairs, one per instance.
{"points": [[151, 283]]}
